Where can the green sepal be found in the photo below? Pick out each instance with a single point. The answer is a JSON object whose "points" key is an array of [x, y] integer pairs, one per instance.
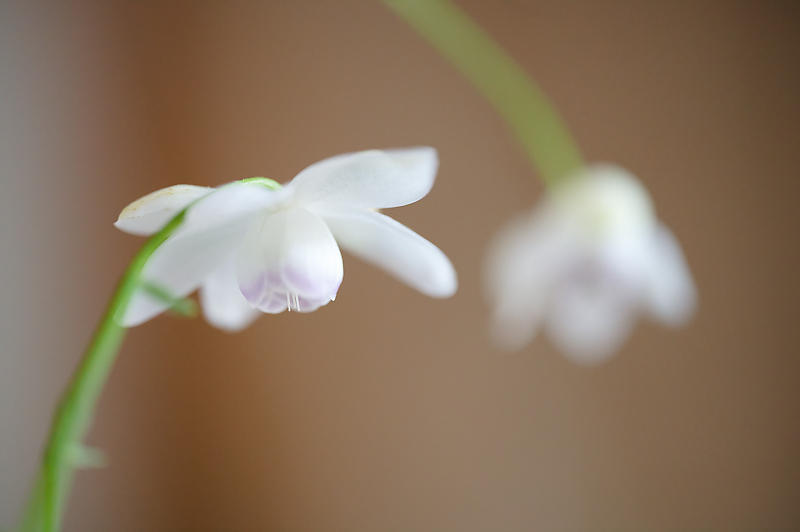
{"points": [[264, 181], [179, 305]]}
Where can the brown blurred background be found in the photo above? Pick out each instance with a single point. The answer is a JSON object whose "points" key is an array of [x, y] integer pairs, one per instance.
{"points": [[387, 410]]}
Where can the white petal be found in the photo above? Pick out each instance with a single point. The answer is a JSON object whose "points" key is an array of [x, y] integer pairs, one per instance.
{"points": [[224, 306], [394, 247], [372, 179], [150, 213], [181, 264], [671, 296], [523, 264], [211, 232], [231, 203], [289, 259], [590, 316]]}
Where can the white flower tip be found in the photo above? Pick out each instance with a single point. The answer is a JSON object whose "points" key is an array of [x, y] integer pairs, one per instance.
{"points": [[432, 273], [150, 213], [588, 359], [133, 225], [671, 294], [509, 336], [417, 160], [443, 282], [228, 326], [681, 311], [120, 223], [421, 161], [588, 334], [130, 224], [684, 303]]}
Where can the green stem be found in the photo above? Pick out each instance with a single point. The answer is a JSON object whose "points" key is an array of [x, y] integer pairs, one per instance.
{"points": [[506, 86], [31, 518], [74, 414]]}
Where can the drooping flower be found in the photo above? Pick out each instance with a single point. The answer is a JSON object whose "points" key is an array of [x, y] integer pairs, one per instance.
{"points": [[583, 264], [251, 248]]}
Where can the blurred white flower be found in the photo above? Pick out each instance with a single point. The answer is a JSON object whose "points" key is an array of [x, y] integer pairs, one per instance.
{"points": [[250, 248], [583, 264]]}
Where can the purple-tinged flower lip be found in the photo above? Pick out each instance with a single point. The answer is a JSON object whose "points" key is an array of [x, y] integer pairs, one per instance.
{"points": [[269, 293], [289, 259], [254, 290], [309, 286], [273, 303]]}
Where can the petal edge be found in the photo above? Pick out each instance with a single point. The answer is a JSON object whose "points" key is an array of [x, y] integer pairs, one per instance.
{"points": [[392, 246], [369, 179], [150, 213]]}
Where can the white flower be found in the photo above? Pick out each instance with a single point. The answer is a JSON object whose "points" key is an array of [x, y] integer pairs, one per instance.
{"points": [[583, 264], [250, 248]]}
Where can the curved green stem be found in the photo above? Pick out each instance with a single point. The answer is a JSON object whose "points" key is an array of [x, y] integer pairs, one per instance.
{"points": [[74, 413], [513, 94], [65, 452]]}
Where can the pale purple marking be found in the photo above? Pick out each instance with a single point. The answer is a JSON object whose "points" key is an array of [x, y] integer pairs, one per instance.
{"points": [[254, 291], [269, 293], [296, 280]]}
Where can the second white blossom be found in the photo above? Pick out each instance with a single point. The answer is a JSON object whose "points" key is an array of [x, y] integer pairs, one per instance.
{"points": [[583, 264]]}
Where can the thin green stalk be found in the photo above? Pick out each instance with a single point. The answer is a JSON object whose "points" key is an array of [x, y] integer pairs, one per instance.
{"points": [[31, 517], [64, 451], [75, 411], [513, 94]]}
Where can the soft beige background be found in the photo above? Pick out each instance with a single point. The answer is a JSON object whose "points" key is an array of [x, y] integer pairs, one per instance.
{"points": [[387, 410]]}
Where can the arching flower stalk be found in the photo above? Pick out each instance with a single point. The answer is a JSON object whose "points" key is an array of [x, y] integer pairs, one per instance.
{"points": [[592, 255]]}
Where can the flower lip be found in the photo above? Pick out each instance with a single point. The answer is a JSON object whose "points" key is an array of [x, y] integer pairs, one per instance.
{"points": [[289, 255], [271, 294]]}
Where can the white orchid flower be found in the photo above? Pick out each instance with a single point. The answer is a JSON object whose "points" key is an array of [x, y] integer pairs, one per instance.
{"points": [[249, 247], [583, 264]]}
